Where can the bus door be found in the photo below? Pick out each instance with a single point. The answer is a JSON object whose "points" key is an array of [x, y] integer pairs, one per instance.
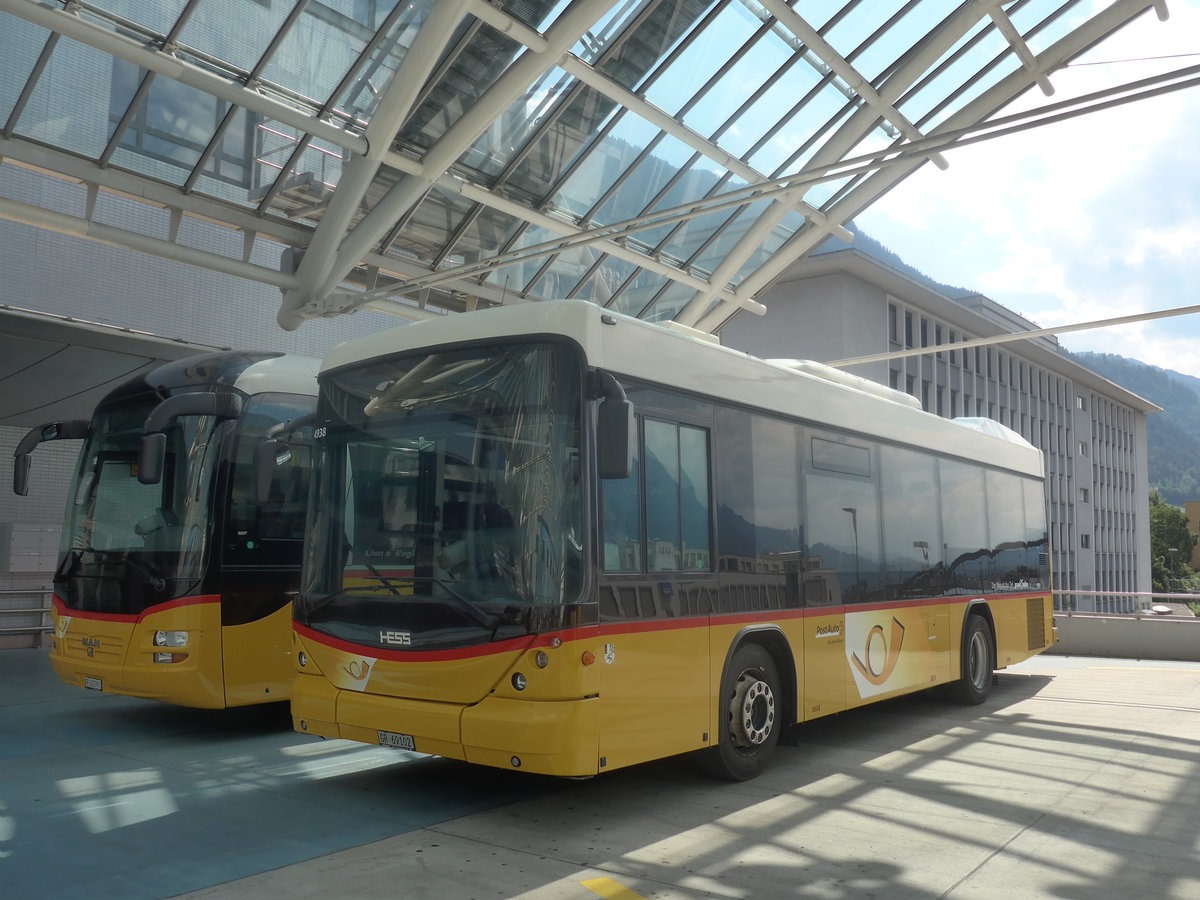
{"points": [[263, 537]]}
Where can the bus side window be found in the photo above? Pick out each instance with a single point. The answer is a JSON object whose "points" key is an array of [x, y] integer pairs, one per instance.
{"points": [[841, 491], [673, 502], [622, 519]]}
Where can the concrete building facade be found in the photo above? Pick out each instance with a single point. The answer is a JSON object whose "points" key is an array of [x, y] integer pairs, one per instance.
{"points": [[846, 304]]}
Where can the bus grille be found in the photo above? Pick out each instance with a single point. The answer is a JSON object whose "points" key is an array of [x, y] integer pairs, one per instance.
{"points": [[1035, 611]]}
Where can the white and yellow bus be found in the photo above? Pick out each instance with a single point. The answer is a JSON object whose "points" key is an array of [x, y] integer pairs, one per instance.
{"points": [[559, 540], [177, 584]]}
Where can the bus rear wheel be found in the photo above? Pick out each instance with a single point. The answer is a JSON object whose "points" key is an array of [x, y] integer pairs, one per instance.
{"points": [[749, 716], [978, 663]]}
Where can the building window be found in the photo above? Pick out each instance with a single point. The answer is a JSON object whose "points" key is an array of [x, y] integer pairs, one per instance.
{"points": [[1085, 541]]}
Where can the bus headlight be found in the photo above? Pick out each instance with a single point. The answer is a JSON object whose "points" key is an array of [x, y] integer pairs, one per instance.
{"points": [[170, 638]]}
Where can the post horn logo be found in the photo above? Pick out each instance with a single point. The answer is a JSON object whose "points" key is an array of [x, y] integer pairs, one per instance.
{"points": [[889, 656], [357, 669]]}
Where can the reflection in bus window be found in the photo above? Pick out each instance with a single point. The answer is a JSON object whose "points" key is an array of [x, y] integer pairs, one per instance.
{"points": [[675, 495], [911, 522], [964, 523], [843, 525], [622, 524]]}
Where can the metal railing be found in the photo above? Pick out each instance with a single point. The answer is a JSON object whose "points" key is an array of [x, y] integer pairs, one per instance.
{"points": [[41, 612], [1121, 602]]}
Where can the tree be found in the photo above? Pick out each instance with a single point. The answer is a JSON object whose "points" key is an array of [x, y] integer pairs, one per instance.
{"points": [[1170, 545]]}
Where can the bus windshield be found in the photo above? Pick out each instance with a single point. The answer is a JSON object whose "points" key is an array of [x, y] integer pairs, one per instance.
{"points": [[446, 505], [127, 545]]}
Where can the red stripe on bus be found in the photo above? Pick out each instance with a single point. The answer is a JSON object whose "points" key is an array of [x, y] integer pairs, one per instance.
{"points": [[522, 643], [133, 618], [614, 629]]}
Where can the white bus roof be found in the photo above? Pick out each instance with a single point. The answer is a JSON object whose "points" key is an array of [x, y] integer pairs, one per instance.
{"points": [[635, 348], [286, 374]]}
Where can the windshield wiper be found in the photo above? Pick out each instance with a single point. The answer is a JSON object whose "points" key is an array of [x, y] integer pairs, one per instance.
{"points": [[492, 623], [382, 578], [311, 606], [473, 612]]}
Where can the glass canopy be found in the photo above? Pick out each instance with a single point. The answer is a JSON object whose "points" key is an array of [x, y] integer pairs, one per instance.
{"points": [[664, 158]]}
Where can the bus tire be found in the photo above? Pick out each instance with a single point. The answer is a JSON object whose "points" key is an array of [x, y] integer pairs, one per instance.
{"points": [[978, 663], [750, 716]]}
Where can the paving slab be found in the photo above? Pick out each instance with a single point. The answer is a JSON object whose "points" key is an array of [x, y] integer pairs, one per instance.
{"points": [[1079, 778]]}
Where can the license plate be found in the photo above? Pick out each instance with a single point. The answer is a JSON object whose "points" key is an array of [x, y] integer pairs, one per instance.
{"points": [[93, 684], [399, 741]]}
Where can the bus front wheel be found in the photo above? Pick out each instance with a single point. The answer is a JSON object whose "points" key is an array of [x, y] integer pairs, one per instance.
{"points": [[978, 664], [749, 716]]}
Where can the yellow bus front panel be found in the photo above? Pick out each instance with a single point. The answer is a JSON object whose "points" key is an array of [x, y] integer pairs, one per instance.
{"points": [[257, 659], [119, 654], [541, 710]]}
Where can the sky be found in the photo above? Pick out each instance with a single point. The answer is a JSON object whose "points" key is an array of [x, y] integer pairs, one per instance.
{"points": [[1089, 219]]}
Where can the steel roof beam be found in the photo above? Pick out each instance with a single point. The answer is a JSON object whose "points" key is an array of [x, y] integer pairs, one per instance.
{"points": [[844, 70], [316, 266], [607, 245], [807, 238], [138, 189], [457, 139], [664, 121], [849, 134], [1074, 43], [1006, 28], [226, 88], [75, 226], [94, 35]]}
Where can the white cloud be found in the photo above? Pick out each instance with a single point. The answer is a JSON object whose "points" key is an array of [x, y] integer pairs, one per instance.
{"points": [[1091, 218]]}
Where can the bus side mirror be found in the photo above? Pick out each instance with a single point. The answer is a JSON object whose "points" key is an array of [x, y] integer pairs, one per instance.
{"points": [[273, 451], [614, 438], [21, 474], [150, 457], [72, 429], [153, 451]]}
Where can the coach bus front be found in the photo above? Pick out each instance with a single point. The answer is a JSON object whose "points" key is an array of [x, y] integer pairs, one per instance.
{"points": [[442, 607], [178, 587], [129, 606]]}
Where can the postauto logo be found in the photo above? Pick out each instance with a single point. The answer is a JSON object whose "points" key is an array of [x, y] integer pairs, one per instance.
{"points": [[874, 650]]}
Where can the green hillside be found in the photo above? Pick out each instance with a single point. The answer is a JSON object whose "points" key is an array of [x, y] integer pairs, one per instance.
{"points": [[1172, 436]]}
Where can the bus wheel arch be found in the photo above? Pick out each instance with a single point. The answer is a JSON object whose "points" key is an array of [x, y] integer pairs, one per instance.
{"points": [[755, 705], [977, 660]]}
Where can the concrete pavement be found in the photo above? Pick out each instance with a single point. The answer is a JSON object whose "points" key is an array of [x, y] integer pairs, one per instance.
{"points": [[1079, 778]]}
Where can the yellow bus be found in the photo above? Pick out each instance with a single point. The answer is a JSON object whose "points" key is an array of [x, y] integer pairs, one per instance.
{"points": [[178, 568], [555, 539]]}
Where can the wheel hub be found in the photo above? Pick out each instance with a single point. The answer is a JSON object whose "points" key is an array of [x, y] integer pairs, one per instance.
{"points": [[752, 711]]}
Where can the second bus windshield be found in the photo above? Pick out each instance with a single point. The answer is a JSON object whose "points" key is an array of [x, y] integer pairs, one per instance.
{"points": [[447, 503]]}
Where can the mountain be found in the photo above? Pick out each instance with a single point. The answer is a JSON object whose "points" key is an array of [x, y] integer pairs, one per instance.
{"points": [[873, 248], [1173, 435]]}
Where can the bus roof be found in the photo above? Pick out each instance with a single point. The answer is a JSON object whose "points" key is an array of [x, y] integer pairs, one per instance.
{"points": [[250, 372], [641, 350]]}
